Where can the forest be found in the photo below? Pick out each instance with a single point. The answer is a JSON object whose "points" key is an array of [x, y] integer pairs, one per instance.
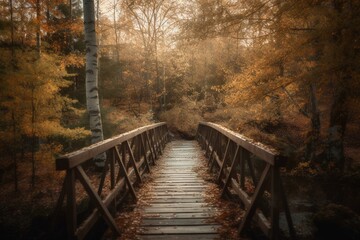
{"points": [[284, 73]]}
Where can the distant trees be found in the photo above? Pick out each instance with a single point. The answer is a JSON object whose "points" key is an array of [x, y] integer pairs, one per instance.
{"points": [[154, 22], [296, 55], [33, 78]]}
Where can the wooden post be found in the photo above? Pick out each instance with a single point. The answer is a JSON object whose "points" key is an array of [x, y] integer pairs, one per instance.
{"points": [[232, 170], [147, 142], [103, 175], [223, 164], [213, 147], [71, 216], [143, 147], [252, 171], [153, 144], [259, 190], [124, 171], [132, 159], [158, 140], [275, 200], [245, 155], [112, 177], [208, 142]]}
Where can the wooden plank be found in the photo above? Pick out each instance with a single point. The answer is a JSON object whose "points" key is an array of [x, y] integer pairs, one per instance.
{"points": [[180, 237], [178, 215], [178, 210], [176, 222], [178, 186], [189, 230], [175, 200], [178, 196], [179, 180], [177, 205]]}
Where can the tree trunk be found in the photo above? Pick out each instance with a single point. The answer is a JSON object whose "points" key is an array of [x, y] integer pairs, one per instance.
{"points": [[343, 46], [14, 151], [33, 136], [92, 94], [38, 31], [314, 134], [13, 63]]}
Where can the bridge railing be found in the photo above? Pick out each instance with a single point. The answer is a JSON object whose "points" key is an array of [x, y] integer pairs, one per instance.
{"points": [[128, 157], [251, 171]]}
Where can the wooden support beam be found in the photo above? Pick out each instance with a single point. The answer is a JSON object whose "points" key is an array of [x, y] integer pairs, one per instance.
{"points": [[147, 140], [158, 140], [223, 160], [152, 143], [213, 147], [254, 200], [103, 175], [85, 181], [143, 148], [132, 159], [112, 178], [252, 171], [208, 142], [232, 170], [245, 155], [127, 179]]}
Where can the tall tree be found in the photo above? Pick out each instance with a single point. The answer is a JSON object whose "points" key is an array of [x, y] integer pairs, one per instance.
{"points": [[154, 20], [92, 94]]}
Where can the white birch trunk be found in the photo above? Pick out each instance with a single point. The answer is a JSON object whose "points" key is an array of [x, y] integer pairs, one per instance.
{"points": [[92, 94]]}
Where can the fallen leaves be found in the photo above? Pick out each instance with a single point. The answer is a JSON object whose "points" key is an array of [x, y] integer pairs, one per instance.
{"points": [[229, 214]]}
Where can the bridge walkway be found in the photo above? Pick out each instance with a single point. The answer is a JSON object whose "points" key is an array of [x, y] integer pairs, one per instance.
{"points": [[176, 207]]}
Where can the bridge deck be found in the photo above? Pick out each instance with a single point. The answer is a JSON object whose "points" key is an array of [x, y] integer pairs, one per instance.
{"points": [[176, 208]]}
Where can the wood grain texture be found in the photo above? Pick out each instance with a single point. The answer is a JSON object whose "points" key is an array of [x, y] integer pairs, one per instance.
{"points": [[177, 208]]}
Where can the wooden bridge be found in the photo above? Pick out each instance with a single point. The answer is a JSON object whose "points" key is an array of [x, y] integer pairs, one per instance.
{"points": [[176, 209]]}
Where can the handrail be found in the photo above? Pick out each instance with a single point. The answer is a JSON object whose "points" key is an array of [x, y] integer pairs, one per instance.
{"points": [[128, 157], [232, 157], [75, 158], [262, 151]]}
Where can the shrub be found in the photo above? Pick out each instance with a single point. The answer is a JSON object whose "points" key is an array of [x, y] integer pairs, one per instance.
{"points": [[337, 222], [182, 120]]}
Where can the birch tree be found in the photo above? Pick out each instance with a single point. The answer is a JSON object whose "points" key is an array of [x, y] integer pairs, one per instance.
{"points": [[92, 94]]}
